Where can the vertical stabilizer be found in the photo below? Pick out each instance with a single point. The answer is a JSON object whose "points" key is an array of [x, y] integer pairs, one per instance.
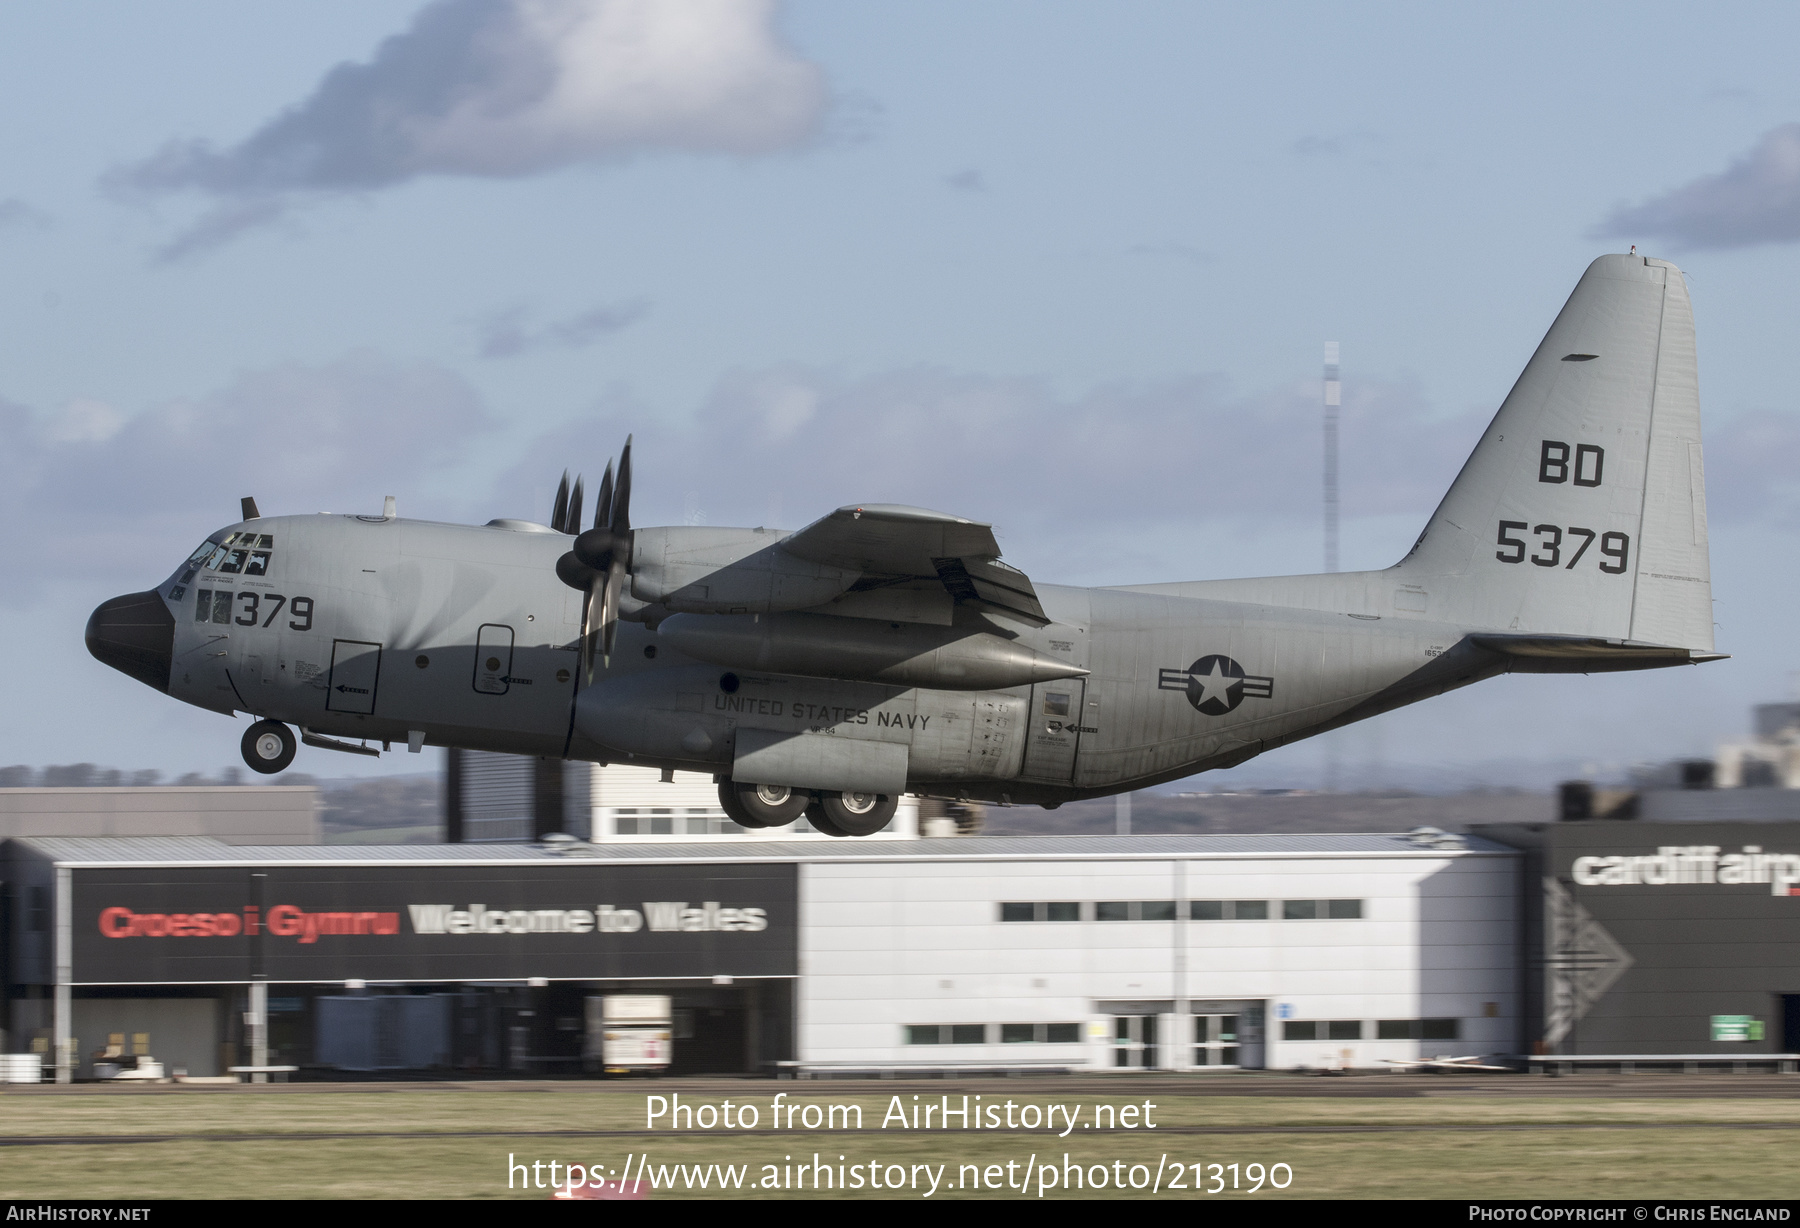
{"points": [[1582, 511]]}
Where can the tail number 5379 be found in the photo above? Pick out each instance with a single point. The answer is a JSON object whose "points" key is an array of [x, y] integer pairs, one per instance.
{"points": [[1552, 543]]}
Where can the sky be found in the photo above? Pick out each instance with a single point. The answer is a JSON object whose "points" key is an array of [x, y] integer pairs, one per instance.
{"points": [[1066, 267]]}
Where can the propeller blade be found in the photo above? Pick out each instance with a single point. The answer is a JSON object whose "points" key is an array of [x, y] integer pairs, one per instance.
{"points": [[590, 630], [609, 609], [561, 509], [603, 501], [621, 507], [572, 520]]}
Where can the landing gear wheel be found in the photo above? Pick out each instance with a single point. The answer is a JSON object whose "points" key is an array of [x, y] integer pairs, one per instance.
{"points": [[852, 814], [753, 806], [269, 747]]}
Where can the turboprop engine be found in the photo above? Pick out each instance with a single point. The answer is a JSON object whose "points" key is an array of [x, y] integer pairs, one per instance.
{"points": [[863, 650]]}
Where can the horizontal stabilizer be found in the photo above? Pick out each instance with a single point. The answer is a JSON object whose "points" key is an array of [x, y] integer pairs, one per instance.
{"points": [[1582, 654]]}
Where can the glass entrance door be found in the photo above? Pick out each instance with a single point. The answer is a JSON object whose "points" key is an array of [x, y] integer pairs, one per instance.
{"points": [[1134, 1041], [1216, 1040]]}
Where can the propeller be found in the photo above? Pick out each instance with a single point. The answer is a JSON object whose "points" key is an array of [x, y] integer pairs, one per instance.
{"points": [[600, 563], [565, 514], [559, 511]]}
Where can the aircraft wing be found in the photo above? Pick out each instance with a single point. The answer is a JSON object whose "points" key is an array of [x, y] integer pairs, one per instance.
{"points": [[892, 544]]}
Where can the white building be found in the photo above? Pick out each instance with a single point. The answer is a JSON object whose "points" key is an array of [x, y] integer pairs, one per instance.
{"points": [[494, 798], [641, 804], [1173, 952]]}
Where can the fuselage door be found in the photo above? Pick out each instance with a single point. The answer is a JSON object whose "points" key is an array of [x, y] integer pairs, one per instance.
{"points": [[355, 669], [1053, 729], [493, 659]]}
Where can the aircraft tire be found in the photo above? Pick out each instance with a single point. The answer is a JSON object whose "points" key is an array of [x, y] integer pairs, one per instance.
{"points": [[852, 814], [754, 806], [269, 747], [815, 814]]}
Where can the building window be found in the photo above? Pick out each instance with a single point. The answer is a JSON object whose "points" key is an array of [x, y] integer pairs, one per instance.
{"points": [[1053, 910], [1322, 1029], [1228, 910], [1312, 910], [946, 1034], [1040, 1033], [1418, 1029], [1135, 910]]}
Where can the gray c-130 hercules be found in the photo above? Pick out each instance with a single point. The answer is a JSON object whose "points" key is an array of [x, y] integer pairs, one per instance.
{"points": [[885, 649]]}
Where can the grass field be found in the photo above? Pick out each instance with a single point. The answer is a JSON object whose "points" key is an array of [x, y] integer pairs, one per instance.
{"points": [[1397, 1139]]}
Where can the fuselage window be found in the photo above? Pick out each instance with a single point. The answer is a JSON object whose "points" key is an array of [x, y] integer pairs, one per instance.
{"points": [[265, 542], [222, 606], [202, 554], [258, 564], [234, 562], [202, 605]]}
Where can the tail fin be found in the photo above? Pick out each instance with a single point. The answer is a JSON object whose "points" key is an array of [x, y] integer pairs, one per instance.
{"points": [[1582, 511]]}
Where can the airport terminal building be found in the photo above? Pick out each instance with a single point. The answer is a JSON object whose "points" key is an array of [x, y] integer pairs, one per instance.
{"points": [[809, 956]]}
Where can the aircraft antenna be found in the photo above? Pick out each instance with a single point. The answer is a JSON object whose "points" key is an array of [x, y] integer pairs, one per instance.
{"points": [[1333, 399]]}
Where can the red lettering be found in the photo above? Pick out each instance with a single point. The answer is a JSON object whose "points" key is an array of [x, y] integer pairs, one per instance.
{"points": [[117, 923], [225, 924], [387, 923], [153, 925], [250, 915], [284, 921], [181, 925]]}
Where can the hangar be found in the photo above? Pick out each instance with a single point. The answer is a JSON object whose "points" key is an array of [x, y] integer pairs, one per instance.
{"points": [[809, 957]]}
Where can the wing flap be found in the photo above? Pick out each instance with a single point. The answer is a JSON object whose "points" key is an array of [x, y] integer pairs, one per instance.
{"points": [[991, 584], [893, 544]]}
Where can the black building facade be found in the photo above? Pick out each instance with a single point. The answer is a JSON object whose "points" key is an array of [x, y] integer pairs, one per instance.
{"points": [[508, 943], [1660, 939]]}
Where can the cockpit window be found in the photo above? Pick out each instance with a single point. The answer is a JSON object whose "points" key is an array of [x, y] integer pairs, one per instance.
{"points": [[242, 552]]}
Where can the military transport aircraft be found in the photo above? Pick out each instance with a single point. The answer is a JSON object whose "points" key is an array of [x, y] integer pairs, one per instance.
{"points": [[885, 649]]}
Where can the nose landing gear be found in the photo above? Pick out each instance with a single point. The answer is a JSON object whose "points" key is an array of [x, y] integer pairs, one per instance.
{"points": [[269, 747]]}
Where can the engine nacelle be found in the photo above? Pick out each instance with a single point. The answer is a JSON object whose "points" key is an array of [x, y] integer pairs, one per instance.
{"points": [[863, 650]]}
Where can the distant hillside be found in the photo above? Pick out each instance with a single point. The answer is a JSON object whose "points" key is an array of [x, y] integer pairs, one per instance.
{"points": [[378, 809]]}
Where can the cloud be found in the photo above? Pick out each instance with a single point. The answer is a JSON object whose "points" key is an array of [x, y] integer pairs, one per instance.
{"points": [[508, 333], [1754, 200], [505, 88], [16, 214], [128, 493], [1750, 469], [1138, 469]]}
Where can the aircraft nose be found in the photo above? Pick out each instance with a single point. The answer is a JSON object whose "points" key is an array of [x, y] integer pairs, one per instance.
{"points": [[135, 634]]}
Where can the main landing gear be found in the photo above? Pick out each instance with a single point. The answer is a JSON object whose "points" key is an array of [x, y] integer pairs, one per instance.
{"points": [[851, 814], [835, 814], [761, 805], [269, 747]]}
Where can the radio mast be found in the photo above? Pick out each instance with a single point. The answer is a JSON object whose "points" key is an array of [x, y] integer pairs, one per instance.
{"points": [[1333, 399]]}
